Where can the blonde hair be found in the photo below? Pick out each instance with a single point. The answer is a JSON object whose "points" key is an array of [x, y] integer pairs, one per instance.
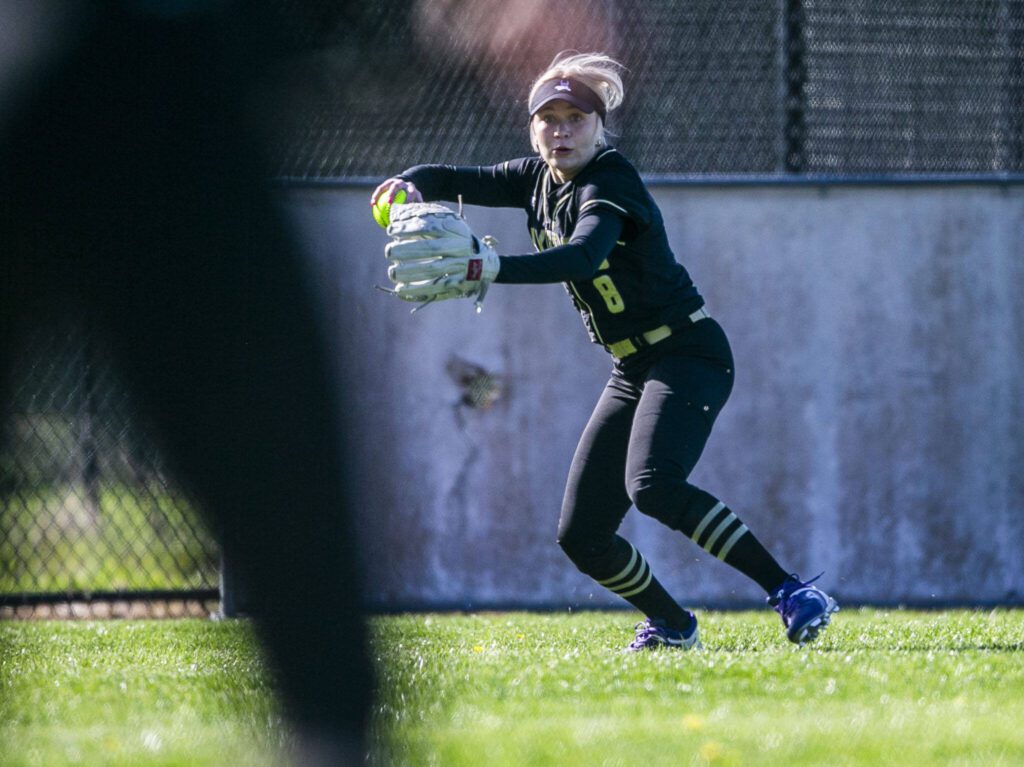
{"points": [[598, 71]]}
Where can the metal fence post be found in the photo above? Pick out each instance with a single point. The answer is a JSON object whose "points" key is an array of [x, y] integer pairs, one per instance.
{"points": [[235, 598], [795, 76]]}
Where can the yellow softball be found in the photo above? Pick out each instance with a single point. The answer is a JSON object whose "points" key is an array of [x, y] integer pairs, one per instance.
{"points": [[382, 208]]}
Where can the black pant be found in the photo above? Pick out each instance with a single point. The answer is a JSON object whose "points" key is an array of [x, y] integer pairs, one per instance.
{"points": [[642, 441]]}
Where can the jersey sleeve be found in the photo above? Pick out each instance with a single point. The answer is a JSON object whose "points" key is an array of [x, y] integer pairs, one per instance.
{"points": [[505, 185], [579, 259], [621, 190]]}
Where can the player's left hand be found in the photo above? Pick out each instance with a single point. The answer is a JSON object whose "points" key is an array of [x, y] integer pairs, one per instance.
{"points": [[434, 255]]}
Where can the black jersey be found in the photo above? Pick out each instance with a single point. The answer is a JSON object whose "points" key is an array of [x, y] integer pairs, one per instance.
{"points": [[637, 287]]}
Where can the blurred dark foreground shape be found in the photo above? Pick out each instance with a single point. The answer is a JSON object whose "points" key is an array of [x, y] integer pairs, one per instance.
{"points": [[135, 196]]}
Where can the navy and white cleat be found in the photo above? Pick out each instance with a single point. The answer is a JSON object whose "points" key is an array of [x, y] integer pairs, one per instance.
{"points": [[654, 634], [805, 609]]}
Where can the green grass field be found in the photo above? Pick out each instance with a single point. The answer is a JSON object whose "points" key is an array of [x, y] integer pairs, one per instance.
{"points": [[880, 688]]}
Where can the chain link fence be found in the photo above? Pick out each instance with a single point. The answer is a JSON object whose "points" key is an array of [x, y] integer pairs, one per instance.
{"points": [[912, 87], [90, 524], [785, 90]]}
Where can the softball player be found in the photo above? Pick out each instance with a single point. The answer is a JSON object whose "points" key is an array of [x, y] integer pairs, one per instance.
{"points": [[599, 232]]}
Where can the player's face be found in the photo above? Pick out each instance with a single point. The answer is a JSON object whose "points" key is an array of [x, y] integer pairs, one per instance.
{"points": [[566, 137]]}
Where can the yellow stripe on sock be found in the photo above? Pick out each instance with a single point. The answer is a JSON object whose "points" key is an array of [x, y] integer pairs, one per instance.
{"points": [[632, 581], [729, 518], [625, 572], [743, 530], [641, 587], [707, 520]]}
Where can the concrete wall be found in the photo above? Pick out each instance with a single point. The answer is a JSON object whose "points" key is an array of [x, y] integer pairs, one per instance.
{"points": [[875, 431]]}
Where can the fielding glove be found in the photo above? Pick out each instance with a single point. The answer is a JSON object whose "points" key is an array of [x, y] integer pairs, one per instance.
{"points": [[434, 255]]}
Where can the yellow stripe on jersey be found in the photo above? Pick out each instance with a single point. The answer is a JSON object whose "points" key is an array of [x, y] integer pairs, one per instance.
{"points": [[590, 312], [609, 203]]}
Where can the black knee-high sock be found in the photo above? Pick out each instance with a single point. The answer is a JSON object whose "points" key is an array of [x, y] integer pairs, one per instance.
{"points": [[721, 533], [627, 573]]}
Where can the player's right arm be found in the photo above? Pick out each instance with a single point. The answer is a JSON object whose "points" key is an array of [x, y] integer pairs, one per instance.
{"points": [[592, 241], [506, 185]]}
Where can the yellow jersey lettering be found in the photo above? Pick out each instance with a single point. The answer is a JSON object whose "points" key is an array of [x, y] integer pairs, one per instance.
{"points": [[544, 238], [610, 294]]}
